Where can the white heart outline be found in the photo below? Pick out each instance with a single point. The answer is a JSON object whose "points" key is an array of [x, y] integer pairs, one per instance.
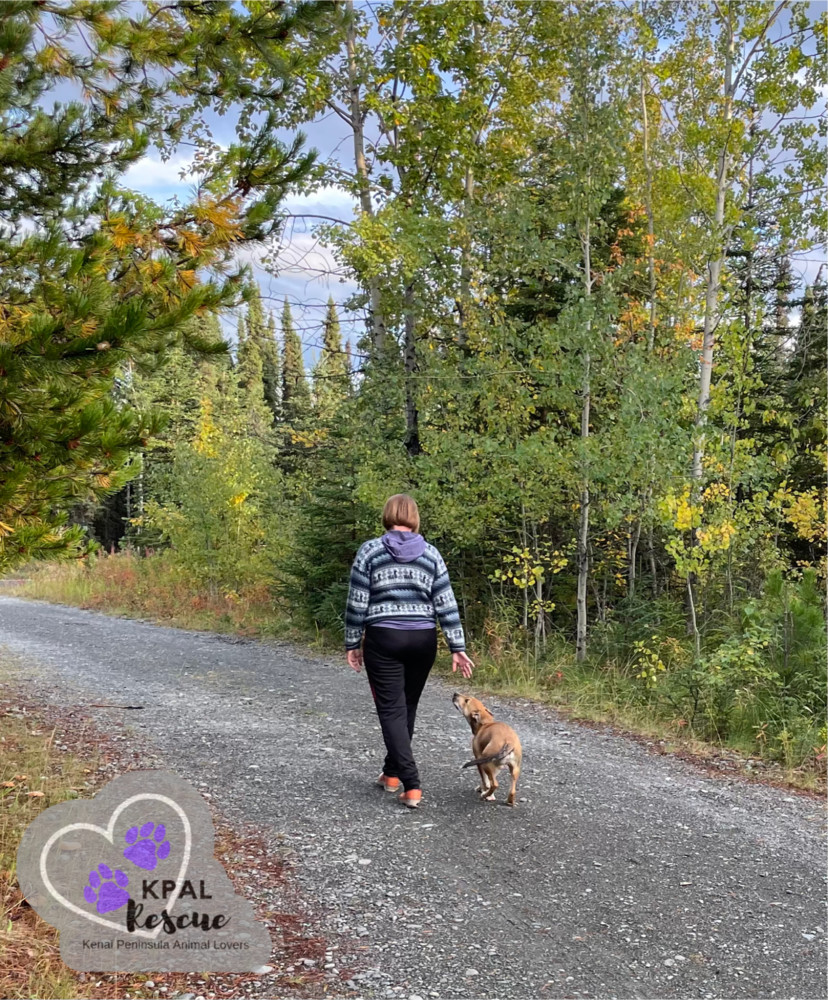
{"points": [[108, 832]]}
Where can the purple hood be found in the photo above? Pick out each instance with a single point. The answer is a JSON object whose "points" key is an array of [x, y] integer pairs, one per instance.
{"points": [[404, 546]]}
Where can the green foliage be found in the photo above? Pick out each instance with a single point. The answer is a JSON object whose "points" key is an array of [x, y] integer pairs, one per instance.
{"points": [[221, 518], [258, 365], [328, 526], [760, 673], [543, 190]]}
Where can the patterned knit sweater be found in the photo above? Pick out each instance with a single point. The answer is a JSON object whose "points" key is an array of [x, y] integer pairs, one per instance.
{"points": [[382, 588]]}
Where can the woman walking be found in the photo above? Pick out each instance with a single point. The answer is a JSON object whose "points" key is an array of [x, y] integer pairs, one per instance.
{"points": [[399, 590]]}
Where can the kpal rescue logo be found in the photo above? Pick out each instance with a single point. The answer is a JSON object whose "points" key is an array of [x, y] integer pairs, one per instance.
{"points": [[130, 880]]}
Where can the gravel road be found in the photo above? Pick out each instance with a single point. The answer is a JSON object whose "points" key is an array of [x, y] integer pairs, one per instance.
{"points": [[620, 875]]}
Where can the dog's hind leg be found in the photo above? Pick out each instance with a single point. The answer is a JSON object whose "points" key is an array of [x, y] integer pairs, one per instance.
{"points": [[483, 783], [489, 790], [514, 770]]}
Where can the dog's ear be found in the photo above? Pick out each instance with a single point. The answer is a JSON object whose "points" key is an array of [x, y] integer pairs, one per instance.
{"points": [[475, 717]]}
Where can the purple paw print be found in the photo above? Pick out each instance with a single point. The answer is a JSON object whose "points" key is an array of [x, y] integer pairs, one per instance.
{"points": [[145, 848], [107, 889]]}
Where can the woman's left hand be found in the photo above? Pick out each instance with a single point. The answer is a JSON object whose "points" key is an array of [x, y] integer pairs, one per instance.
{"points": [[463, 662], [355, 659]]}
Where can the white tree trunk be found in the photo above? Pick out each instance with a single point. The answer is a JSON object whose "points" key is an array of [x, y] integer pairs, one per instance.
{"points": [[714, 269]]}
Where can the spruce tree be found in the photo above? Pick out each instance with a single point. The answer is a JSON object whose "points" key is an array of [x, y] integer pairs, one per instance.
{"points": [[241, 336], [172, 388], [250, 372], [329, 525], [258, 357], [805, 391], [271, 369], [251, 335], [219, 513], [330, 374], [295, 391]]}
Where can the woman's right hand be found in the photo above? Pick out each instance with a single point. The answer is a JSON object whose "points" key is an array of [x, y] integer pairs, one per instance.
{"points": [[355, 659]]}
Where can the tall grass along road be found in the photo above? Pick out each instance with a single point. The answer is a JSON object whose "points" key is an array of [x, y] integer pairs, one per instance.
{"points": [[620, 874]]}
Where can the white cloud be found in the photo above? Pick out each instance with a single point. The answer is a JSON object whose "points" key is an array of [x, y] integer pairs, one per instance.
{"points": [[300, 256], [302, 265], [333, 201], [151, 174]]}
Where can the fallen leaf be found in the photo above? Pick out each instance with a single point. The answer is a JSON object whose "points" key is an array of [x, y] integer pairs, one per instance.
{"points": [[38, 795]]}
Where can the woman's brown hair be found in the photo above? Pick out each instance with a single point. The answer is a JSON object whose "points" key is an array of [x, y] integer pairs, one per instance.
{"points": [[401, 509]]}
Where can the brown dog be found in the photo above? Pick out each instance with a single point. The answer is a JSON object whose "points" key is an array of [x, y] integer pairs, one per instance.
{"points": [[494, 745]]}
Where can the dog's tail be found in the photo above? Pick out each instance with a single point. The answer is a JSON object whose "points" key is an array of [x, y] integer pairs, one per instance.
{"points": [[492, 758]]}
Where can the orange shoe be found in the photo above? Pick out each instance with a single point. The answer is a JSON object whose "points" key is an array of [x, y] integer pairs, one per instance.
{"points": [[412, 798], [389, 784]]}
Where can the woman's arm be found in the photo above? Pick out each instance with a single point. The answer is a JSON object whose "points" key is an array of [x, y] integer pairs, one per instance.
{"points": [[445, 607], [448, 614]]}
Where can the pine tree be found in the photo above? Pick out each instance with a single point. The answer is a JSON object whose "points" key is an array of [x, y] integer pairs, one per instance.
{"points": [[330, 374], [94, 276]]}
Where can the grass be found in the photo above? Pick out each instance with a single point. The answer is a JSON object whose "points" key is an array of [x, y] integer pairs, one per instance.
{"points": [[598, 692], [593, 692], [583, 692], [155, 588]]}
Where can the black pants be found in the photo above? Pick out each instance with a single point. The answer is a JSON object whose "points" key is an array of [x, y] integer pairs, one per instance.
{"points": [[398, 662]]}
